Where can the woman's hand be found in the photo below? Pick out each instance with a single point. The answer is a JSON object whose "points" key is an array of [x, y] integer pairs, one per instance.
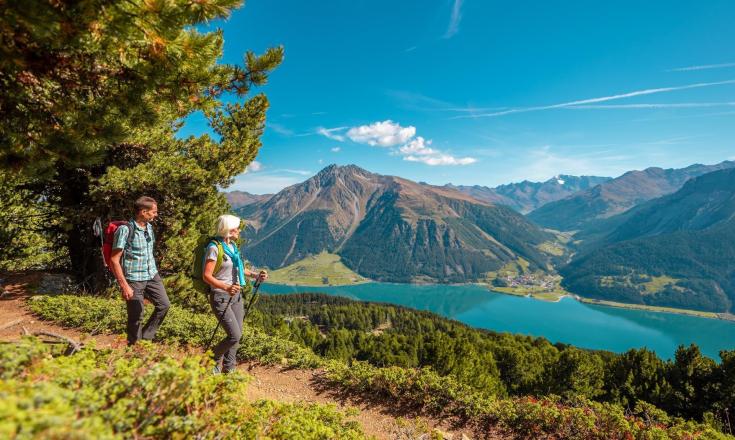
{"points": [[233, 289]]}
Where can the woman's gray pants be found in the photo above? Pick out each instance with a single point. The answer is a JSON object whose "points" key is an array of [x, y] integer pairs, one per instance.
{"points": [[231, 321]]}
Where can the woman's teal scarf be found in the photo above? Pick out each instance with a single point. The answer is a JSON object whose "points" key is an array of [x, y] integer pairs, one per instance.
{"points": [[234, 254]]}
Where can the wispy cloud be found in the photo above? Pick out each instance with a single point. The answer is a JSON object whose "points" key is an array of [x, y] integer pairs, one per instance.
{"points": [[543, 163], [418, 101], [280, 129], [596, 100], [329, 133], [262, 183], [258, 179], [454, 19], [654, 105], [336, 150], [702, 67], [292, 171], [698, 115], [410, 49]]}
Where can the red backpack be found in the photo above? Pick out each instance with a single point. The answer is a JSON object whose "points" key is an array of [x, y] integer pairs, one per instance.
{"points": [[107, 236]]}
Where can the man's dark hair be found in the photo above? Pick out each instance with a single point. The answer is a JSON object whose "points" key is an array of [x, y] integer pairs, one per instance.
{"points": [[144, 202]]}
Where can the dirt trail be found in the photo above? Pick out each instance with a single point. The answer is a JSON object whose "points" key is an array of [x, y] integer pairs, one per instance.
{"points": [[377, 418]]}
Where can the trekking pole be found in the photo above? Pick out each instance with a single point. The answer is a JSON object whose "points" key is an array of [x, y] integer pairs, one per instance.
{"points": [[219, 321], [253, 296]]}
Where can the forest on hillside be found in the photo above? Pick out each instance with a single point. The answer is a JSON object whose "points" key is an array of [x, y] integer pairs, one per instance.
{"points": [[690, 385]]}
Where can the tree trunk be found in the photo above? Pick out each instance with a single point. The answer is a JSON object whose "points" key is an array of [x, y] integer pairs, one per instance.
{"points": [[76, 209]]}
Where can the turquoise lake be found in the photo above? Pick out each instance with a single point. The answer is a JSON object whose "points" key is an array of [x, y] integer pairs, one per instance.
{"points": [[567, 321]]}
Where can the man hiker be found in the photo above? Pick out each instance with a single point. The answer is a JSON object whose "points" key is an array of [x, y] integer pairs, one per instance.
{"points": [[136, 272]]}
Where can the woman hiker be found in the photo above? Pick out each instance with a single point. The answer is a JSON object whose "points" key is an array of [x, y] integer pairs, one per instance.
{"points": [[224, 293]]}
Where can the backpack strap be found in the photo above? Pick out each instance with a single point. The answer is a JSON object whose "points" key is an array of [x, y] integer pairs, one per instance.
{"points": [[220, 253], [128, 243], [220, 256], [131, 231]]}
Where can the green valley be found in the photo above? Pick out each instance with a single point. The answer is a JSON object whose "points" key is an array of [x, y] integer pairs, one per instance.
{"points": [[321, 269]]}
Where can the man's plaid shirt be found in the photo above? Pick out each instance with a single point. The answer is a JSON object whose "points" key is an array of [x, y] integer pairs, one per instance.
{"points": [[137, 262]]}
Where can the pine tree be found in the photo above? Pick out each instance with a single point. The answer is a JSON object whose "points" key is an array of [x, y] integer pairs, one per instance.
{"points": [[93, 94]]}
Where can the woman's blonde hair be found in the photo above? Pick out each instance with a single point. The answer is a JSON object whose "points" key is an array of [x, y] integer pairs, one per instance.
{"points": [[225, 223]]}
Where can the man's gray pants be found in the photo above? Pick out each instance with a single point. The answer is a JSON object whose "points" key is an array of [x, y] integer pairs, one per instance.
{"points": [[231, 321], [153, 291]]}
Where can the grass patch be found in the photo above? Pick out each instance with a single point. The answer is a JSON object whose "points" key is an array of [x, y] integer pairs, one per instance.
{"points": [[551, 248], [534, 292], [317, 270], [601, 302], [658, 284]]}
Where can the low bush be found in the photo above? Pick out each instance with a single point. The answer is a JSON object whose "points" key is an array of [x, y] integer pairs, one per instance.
{"points": [[143, 392], [181, 326], [421, 389], [524, 417]]}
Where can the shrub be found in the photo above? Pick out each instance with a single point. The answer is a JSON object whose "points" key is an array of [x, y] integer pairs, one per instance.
{"points": [[143, 392]]}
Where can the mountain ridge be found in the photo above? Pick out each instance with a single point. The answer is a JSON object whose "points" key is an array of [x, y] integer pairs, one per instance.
{"points": [[581, 210], [389, 228], [526, 196], [677, 250]]}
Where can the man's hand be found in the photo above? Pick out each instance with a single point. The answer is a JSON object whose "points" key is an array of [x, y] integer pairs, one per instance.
{"points": [[263, 275], [233, 289], [127, 292]]}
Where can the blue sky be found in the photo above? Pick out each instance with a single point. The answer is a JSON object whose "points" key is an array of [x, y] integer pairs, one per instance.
{"points": [[488, 92]]}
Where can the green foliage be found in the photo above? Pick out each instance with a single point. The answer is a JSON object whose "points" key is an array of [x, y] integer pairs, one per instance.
{"points": [[181, 327], [421, 359], [96, 91], [498, 364], [702, 261], [525, 417], [145, 392], [26, 243]]}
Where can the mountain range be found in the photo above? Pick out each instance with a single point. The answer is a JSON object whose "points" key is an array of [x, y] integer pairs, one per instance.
{"points": [[391, 229], [677, 250], [238, 199], [658, 237], [581, 210], [527, 196]]}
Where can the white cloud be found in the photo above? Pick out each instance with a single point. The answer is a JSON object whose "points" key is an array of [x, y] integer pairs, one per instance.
{"points": [[418, 150], [381, 134], [441, 159], [454, 19], [253, 167], [329, 133], [321, 161], [600, 99], [702, 67], [411, 147], [417, 146], [336, 150]]}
